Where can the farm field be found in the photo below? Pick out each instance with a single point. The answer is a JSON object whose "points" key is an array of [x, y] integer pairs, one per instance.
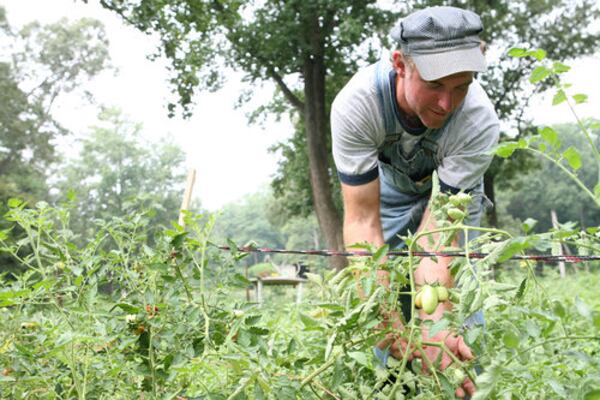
{"points": [[166, 318]]}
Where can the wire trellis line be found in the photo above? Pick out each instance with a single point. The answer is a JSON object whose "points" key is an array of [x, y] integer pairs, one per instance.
{"points": [[404, 253]]}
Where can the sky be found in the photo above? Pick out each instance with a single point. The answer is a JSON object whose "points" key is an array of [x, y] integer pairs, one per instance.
{"points": [[231, 158]]}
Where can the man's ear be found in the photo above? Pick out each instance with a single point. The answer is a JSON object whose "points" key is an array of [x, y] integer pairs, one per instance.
{"points": [[398, 63]]}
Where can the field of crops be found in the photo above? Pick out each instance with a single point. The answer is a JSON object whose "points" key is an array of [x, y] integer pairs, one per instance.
{"points": [[141, 314]]}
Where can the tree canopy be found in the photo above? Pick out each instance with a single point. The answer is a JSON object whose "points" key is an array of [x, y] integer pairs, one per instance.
{"points": [[44, 62], [116, 171]]}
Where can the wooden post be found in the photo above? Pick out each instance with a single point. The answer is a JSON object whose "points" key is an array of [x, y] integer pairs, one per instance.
{"points": [[187, 196], [299, 293], [561, 264], [259, 290]]}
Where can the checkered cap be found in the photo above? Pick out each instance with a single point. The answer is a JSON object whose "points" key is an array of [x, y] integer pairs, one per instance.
{"points": [[441, 41]]}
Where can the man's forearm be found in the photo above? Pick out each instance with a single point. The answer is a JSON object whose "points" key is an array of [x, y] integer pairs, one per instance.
{"points": [[360, 230], [429, 271]]}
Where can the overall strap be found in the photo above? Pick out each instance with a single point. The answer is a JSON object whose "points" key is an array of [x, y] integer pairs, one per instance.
{"points": [[386, 102], [429, 140]]}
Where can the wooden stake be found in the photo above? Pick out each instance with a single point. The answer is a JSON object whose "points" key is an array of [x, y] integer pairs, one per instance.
{"points": [[561, 264], [187, 195]]}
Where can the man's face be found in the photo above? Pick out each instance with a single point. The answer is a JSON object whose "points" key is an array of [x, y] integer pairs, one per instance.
{"points": [[431, 101]]}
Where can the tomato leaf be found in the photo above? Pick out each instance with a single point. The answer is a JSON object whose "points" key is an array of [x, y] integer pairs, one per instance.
{"points": [[592, 395], [528, 225], [330, 343], [381, 252], [14, 203], [252, 320], [596, 319], [511, 339], [560, 68], [559, 309], [559, 97], [506, 149], [513, 247], [439, 326], [539, 74], [573, 158], [539, 54], [257, 330], [520, 291], [309, 322], [447, 386], [128, 308], [360, 358], [580, 98], [517, 52], [550, 136], [558, 388]]}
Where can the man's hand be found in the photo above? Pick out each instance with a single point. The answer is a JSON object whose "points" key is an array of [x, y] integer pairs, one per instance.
{"points": [[457, 346], [398, 347]]}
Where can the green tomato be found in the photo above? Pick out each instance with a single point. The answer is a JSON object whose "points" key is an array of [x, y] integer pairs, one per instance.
{"points": [[460, 199], [442, 293], [29, 325], [429, 299], [459, 375], [456, 214], [419, 299]]}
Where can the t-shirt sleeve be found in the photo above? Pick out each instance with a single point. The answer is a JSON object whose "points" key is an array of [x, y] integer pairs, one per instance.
{"points": [[465, 162], [354, 139]]}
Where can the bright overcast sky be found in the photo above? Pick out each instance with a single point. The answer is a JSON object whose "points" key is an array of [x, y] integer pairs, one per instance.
{"points": [[230, 157]]}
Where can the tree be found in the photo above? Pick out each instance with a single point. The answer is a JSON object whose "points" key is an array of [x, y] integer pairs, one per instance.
{"points": [[45, 62], [247, 221], [305, 48], [115, 172]]}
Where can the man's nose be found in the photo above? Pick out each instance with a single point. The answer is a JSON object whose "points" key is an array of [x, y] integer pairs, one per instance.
{"points": [[445, 101]]}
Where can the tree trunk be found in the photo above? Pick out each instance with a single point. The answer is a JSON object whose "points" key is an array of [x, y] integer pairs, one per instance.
{"points": [[488, 189], [315, 119]]}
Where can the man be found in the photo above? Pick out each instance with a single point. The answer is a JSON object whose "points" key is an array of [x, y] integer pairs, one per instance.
{"points": [[395, 123]]}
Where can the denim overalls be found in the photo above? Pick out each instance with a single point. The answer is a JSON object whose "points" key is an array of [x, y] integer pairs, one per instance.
{"points": [[406, 178]]}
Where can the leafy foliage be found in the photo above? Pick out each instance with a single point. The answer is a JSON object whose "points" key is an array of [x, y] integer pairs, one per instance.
{"points": [[170, 327]]}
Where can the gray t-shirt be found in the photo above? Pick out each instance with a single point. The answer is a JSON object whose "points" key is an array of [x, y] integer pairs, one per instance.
{"points": [[358, 132]]}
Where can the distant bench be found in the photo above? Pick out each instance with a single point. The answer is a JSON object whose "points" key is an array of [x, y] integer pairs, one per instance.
{"points": [[278, 281]]}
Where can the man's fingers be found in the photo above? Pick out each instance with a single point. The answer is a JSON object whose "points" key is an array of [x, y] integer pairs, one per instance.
{"points": [[446, 361], [398, 348], [469, 386], [464, 351]]}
